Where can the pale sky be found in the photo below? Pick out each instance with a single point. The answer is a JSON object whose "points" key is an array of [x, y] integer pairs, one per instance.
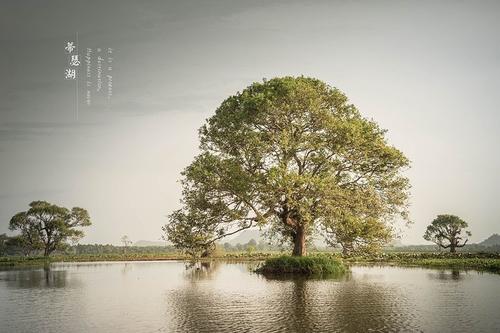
{"points": [[427, 71]]}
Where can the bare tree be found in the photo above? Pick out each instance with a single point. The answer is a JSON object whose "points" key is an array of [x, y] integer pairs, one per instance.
{"points": [[126, 242]]}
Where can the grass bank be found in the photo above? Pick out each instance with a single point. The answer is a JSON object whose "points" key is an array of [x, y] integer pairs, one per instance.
{"points": [[480, 264], [40, 260], [476, 261], [309, 265]]}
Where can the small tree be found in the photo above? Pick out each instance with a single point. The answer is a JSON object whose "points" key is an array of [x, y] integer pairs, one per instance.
{"points": [[448, 231], [358, 236], [250, 249], [251, 246], [252, 242], [228, 247], [48, 227], [126, 242]]}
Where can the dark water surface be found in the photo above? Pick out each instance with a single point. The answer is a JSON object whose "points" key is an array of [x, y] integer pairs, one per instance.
{"points": [[227, 297]]}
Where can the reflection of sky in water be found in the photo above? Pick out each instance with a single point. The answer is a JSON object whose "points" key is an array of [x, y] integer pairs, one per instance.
{"points": [[215, 296]]}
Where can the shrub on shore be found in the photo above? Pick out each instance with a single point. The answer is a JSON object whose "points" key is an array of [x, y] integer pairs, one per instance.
{"points": [[308, 265]]}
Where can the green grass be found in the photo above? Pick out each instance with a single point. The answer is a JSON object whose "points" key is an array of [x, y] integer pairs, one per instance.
{"points": [[406, 256], [40, 260], [480, 264], [478, 261], [309, 265], [23, 261], [317, 262]]}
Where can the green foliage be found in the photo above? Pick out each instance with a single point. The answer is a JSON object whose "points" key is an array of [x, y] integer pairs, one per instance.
{"points": [[48, 227], [3, 244], [290, 154], [250, 249], [41, 260], [492, 265], [15, 245], [478, 261], [23, 261], [358, 235], [309, 265], [104, 249], [447, 231], [410, 257], [97, 252]]}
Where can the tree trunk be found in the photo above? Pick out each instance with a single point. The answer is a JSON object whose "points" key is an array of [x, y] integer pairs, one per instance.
{"points": [[346, 249], [299, 240], [452, 248]]}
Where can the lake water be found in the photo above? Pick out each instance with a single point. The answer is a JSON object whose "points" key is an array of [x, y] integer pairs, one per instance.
{"points": [[227, 297]]}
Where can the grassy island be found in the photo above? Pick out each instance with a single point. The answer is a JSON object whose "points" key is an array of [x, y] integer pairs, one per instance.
{"points": [[307, 265]]}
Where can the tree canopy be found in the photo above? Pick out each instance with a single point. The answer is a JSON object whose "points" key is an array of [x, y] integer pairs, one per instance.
{"points": [[357, 235], [45, 226], [448, 231], [293, 155]]}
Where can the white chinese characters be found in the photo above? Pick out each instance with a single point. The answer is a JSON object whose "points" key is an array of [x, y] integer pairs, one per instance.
{"points": [[70, 74], [74, 60], [70, 46]]}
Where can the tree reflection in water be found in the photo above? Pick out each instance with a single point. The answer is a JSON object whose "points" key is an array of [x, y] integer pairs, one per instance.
{"points": [[447, 275], [200, 270], [228, 297], [288, 304], [40, 278], [127, 267]]}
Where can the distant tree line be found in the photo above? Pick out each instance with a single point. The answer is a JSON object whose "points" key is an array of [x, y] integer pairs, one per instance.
{"points": [[112, 249], [10, 246], [252, 245], [46, 228], [474, 248]]}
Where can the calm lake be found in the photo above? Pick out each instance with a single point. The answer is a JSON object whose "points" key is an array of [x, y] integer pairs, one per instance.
{"points": [[168, 296]]}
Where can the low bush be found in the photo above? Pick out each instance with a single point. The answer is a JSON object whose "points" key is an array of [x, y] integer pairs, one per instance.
{"points": [[309, 265]]}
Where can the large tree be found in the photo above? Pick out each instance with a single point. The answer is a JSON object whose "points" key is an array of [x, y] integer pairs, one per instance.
{"points": [[448, 231], [45, 226], [289, 154]]}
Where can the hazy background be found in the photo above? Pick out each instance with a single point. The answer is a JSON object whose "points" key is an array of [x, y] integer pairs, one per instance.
{"points": [[427, 71]]}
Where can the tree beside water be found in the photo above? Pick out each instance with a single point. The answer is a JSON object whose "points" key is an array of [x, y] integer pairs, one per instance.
{"points": [[47, 227], [291, 155], [448, 231]]}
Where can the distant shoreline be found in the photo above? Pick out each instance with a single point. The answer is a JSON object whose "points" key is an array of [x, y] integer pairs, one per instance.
{"points": [[463, 261]]}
